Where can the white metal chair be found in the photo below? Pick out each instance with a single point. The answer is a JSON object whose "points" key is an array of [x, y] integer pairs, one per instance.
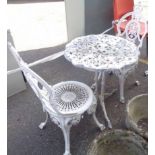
{"points": [[64, 102], [135, 31]]}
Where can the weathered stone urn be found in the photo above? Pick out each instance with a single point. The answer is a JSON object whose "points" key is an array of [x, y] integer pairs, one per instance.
{"points": [[118, 142], [137, 114]]}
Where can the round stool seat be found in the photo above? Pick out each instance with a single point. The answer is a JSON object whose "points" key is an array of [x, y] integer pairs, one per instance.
{"points": [[72, 97]]}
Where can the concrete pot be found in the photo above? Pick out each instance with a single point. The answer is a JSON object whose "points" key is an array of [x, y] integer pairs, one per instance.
{"points": [[118, 142], [137, 114]]}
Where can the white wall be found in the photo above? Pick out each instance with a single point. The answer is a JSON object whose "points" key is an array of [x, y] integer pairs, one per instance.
{"points": [[75, 18], [15, 82]]}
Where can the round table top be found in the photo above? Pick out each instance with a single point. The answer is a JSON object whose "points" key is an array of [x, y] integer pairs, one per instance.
{"points": [[101, 52]]}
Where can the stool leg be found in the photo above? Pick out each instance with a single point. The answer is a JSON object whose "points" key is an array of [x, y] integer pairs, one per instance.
{"points": [[66, 133]]}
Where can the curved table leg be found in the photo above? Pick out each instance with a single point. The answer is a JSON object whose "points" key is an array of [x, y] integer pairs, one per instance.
{"points": [[102, 100], [92, 110], [121, 84], [95, 84], [122, 75], [101, 126]]}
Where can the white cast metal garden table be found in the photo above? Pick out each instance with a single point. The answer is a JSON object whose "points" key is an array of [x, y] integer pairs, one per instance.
{"points": [[103, 53]]}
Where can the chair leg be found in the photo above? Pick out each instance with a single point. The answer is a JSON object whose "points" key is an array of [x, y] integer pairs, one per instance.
{"points": [[137, 83], [66, 132], [43, 124], [146, 73]]}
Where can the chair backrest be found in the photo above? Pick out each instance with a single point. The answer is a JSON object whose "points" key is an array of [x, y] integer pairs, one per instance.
{"points": [[121, 7], [41, 88], [135, 30]]}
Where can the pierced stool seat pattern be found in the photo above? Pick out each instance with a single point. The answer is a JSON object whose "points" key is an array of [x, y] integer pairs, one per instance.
{"points": [[71, 96], [64, 102]]}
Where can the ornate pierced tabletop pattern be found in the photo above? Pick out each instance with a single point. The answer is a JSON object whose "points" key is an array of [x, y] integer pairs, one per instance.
{"points": [[101, 52]]}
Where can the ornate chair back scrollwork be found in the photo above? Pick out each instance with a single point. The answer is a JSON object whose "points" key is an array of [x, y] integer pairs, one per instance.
{"points": [[40, 87], [120, 8], [135, 31], [64, 102]]}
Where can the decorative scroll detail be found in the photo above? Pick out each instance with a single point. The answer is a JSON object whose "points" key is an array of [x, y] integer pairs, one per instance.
{"points": [[75, 120], [68, 121], [132, 31], [55, 120], [135, 28]]}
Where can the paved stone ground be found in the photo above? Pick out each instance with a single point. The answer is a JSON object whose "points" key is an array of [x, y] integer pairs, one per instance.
{"points": [[25, 111]]}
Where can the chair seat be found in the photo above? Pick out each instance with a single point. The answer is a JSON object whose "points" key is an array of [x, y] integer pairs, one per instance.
{"points": [[142, 25], [72, 97]]}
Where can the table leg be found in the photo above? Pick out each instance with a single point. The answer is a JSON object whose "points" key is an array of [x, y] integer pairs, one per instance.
{"points": [[102, 100], [95, 85], [121, 84], [95, 88]]}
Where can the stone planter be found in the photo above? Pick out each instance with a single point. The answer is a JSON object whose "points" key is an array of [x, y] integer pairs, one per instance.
{"points": [[118, 142], [137, 114]]}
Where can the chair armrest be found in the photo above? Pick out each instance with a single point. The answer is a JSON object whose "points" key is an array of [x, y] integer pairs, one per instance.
{"points": [[109, 29], [114, 22]]}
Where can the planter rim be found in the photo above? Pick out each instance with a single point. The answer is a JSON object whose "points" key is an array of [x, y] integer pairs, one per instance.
{"points": [[134, 98], [140, 139], [129, 120]]}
